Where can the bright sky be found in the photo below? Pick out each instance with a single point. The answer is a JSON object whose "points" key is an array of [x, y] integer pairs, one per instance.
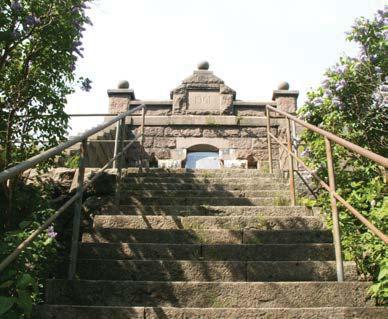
{"points": [[251, 44]]}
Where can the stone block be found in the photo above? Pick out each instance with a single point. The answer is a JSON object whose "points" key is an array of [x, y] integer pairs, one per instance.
{"points": [[172, 132], [240, 143], [153, 131], [161, 142], [169, 163], [235, 163], [191, 132], [178, 154], [254, 132]]}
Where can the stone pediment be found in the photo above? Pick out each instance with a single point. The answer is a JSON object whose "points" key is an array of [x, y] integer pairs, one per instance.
{"points": [[203, 93]]}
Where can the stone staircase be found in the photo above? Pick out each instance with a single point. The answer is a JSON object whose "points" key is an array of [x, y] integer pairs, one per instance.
{"points": [[207, 244]]}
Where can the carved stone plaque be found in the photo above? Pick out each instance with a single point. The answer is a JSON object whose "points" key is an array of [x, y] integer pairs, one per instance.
{"points": [[204, 102]]}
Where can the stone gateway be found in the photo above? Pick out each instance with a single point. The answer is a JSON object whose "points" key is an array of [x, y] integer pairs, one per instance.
{"points": [[202, 115]]}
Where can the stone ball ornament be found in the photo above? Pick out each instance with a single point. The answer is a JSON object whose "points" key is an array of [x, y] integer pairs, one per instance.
{"points": [[283, 85], [203, 65], [123, 84]]}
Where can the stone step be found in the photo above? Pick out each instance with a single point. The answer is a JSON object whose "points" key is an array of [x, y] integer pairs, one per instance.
{"points": [[208, 236], [196, 179], [207, 210], [198, 172], [226, 271], [88, 312], [208, 222], [247, 186], [204, 193], [208, 294], [280, 200], [241, 252]]}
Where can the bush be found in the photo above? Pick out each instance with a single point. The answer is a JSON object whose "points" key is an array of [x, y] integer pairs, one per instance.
{"points": [[351, 104]]}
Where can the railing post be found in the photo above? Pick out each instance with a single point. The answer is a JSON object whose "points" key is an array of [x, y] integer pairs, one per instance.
{"points": [[334, 210], [77, 211], [269, 141], [120, 160], [117, 142], [290, 163], [143, 111]]}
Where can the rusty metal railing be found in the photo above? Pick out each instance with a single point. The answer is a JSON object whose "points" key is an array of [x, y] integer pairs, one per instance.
{"points": [[334, 196], [116, 160]]}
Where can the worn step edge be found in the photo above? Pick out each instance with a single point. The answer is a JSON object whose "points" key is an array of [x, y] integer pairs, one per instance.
{"points": [[280, 200], [226, 271], [245, 252], [207, 222], [206, 210], [208, 294], [204, 193], [96, 312], [214, 236]]}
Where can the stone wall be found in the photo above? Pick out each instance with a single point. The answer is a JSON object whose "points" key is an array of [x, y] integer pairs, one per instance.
{"points": [[161, 142]]}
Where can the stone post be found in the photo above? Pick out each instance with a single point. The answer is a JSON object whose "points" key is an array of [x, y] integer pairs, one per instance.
{"points": [[119, 98], [286, 100]]}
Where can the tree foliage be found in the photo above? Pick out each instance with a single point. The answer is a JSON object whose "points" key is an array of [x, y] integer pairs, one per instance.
{"points": [[352, 103], [40, 42]]}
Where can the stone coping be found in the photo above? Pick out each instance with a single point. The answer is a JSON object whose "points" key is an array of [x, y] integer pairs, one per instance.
{"points": [[169, 103], [203, 120]]}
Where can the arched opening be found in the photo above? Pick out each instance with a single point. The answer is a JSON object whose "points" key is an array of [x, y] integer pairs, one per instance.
{"points": [[203, 156]]}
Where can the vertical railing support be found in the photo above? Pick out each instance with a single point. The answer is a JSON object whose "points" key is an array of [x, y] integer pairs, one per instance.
{"points": [[143, 112], [77, 211], [290, 164], [334, 210], [269, 141], [117, 142], [120, 160]]}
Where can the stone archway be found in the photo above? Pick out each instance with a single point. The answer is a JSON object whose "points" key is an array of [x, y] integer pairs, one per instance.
{"points": [[203, 156]]}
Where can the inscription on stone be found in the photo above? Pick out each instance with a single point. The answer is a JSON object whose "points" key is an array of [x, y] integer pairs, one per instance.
{"points": [[204, 101]]}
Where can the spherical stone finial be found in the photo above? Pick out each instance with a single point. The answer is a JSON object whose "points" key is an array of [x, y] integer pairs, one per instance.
{"points": [[123, 85], [283, 85], [204, 65]]}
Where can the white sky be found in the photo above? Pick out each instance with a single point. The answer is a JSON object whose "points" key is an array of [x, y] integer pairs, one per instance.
{"points": [[251, 44]]}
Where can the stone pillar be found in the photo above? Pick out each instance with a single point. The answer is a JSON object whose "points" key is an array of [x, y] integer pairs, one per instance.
{"points": [[286, 100], [119, 98]]}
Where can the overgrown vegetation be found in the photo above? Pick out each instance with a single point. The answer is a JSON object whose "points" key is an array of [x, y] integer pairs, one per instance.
{"points": [[40, 43], [351, 104]]}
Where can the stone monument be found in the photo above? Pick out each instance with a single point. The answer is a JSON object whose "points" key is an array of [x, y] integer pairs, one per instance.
{"points": [[202, 115]]}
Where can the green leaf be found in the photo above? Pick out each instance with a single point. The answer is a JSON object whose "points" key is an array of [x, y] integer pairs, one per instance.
{"points": [[48, 241], [6, 303], [24, 224], [24, 281], [6, 284], [383, 273], [24, 301]]}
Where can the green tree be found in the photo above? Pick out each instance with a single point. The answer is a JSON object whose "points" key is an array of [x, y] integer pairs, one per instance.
{"points": [[40, 42], [352, 103]]}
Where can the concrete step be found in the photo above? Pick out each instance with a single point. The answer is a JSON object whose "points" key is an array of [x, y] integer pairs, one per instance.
{"points": [[208, 236], [241, 252], [247, 186], [204, 193], [207, 210], [208, 222], [225, 271], [86, 312], [280, 200], [208, 294]]}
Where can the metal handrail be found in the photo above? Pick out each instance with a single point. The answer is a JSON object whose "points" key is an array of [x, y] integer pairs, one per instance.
{"points": [[330, 187], [81, 186]]}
